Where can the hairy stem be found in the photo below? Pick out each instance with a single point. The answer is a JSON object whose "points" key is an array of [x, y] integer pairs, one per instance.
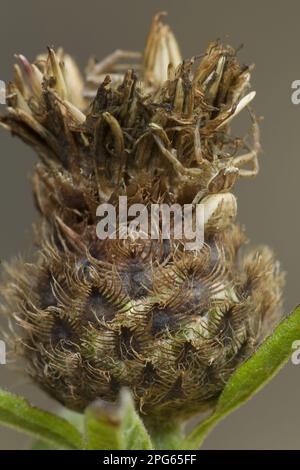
{"points": [[165, 435]]}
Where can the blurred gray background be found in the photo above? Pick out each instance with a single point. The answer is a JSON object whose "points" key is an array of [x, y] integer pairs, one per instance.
{"points": [[268, 205]]}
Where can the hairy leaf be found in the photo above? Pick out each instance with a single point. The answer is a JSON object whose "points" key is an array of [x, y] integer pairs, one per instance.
{"points": [[251, 376], [17, 413]]}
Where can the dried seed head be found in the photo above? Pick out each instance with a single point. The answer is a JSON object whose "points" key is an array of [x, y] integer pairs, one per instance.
{"points": [[91, 315]]}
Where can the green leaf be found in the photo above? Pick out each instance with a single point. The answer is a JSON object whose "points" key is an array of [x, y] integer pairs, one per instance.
{"points": [[16, 413], [41, 445], [76, 419], [251, 376], [115, 426]]}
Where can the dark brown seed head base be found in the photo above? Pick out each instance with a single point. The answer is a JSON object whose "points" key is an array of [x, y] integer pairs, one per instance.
{"points": [[92, 316]]}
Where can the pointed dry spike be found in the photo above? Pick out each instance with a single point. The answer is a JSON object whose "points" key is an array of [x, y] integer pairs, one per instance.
{"points": [[149, 62], [74, 112], [149, 59], [132, 111], [19, 81], [74, 81], [171, 72], [19, 102], [25, 63], [208, 80], [34, 75], [197, 143], [116, 131], [155, 25], [161, 49], [179, 96], [217, 78], [241, 105], [161, 60], [207, 64], [57, 73], [240, 86], [173, 49], [128, 88], [36, 80], [189, 102]]}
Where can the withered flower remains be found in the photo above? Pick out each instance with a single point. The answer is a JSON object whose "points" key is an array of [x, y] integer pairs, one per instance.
{"points": [[91, 315]]}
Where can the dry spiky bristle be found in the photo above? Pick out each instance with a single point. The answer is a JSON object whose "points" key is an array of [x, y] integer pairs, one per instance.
{"points": [[96, 315]]}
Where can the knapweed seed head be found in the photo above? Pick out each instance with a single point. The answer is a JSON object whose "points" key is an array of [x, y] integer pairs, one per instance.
{"points": [[91, 315]]}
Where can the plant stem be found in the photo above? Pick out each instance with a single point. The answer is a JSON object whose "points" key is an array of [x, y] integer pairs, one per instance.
{"points": [[165, 436]]}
